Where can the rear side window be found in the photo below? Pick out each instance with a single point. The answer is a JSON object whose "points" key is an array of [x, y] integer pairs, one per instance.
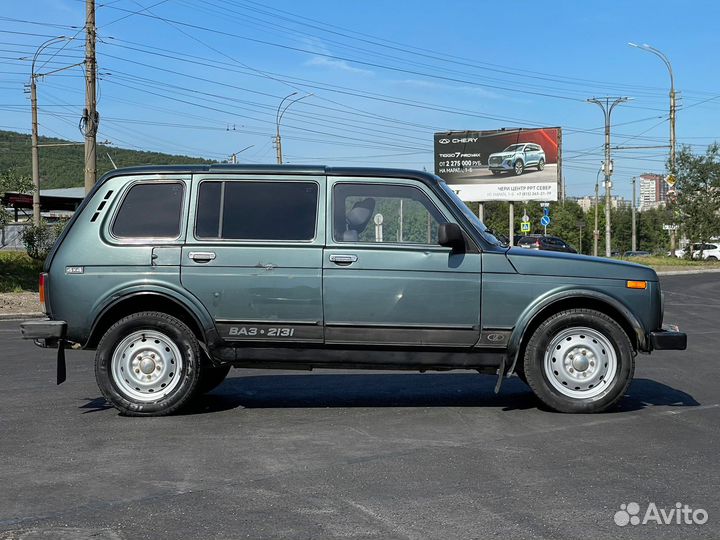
{"points": [[150, 211], [257, 210]]}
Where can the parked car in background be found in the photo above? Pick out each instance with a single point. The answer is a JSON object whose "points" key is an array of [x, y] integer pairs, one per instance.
{"points": [[636, 254], [516, 158], [548, 243], [710, 252]]}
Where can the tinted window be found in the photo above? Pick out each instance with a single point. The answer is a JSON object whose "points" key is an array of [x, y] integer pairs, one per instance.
{"points": [[384, 213], [150, 211], [257, 210]]}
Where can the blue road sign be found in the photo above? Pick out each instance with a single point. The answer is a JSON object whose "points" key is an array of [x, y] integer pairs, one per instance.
{"points": [[546, 210], [545, 220]]}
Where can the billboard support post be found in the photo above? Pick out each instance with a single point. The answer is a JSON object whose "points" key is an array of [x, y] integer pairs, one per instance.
{"points": [[511, 219], [481, 212]]}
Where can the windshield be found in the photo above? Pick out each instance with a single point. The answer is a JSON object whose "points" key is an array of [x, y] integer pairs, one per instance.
{"points": [[514, 148], [479, 225]]}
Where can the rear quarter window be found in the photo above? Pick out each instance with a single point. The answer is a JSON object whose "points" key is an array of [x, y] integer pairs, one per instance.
{"points": [[152, 210]]}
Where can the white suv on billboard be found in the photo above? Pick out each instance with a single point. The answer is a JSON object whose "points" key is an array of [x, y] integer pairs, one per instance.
{"points": [[516, 158]]}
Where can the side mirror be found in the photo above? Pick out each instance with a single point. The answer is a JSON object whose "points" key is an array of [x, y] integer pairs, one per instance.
{"points": [[450, 235]]}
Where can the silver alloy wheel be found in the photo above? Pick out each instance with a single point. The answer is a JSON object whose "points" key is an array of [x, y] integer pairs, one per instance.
{"points": [[541, 165], [146, 366], [518, 167], [580, 363]]}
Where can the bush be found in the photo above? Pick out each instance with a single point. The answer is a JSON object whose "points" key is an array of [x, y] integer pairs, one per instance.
{"points": [[18, 272], [39, 239]]}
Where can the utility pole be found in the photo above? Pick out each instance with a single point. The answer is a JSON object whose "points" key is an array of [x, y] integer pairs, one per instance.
{"points": [[673, 109], [233, 156], [596, 232], [634, 226], [607, 108], [278, 119], [90, 115], [511, 219], [35, 156], [34, 105]]}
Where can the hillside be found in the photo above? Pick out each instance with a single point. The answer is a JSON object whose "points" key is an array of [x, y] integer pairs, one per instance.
{"points": [[62, 166]]}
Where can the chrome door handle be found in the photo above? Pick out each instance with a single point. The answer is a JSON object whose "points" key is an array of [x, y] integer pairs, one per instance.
{"points": [[343, 259], [201, 256]]}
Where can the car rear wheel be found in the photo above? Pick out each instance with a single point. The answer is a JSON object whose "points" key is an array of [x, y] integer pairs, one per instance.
{"points": [[148, 364], [712, 258], [541, 164], [518, 167], [579, 361]]}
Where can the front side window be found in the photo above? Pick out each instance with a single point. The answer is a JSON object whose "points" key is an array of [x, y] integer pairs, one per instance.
{"points": [[252, 210], [384, 213], [152, 210]]}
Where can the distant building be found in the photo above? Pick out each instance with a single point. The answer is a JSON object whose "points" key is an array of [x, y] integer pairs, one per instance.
{"points": [[587, 203], [653, 191]]}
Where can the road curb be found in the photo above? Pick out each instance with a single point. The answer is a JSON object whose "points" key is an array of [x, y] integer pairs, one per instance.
{"points": [[688, 272], [20, 316]]}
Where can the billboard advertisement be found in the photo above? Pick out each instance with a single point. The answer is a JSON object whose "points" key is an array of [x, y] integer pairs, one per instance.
{"points": [[511, 164]]}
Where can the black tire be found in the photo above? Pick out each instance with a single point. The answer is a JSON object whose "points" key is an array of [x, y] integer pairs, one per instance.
{"points": [[712, 258], [186, 370], [211, 377], [518, 167], [541, 164], [576, 323]]}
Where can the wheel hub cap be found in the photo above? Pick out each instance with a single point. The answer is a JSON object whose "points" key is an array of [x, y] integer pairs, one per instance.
{"points": [[580, 362], [146, 365]]}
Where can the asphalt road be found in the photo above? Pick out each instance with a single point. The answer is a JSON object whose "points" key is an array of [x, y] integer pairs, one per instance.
{"points": [[364, 455]]}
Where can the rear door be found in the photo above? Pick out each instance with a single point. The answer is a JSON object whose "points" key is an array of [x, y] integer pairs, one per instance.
{"points": [[253, 255], [386, 280]]}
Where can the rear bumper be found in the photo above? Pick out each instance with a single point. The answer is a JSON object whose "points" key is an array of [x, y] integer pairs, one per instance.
{"points": [[45, 332], [669, 338]]}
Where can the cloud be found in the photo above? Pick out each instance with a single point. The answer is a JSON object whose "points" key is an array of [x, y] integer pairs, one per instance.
{"points": [[323, 58]]}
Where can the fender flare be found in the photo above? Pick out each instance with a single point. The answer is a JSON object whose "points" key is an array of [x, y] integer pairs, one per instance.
{"points": [[175, 295], [530, 314]]}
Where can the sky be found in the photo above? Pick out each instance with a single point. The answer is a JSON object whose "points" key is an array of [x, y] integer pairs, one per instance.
{"points": [[377, 79]]}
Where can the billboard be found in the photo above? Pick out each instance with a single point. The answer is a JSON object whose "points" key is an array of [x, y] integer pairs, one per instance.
{"points": [[511, 164]]}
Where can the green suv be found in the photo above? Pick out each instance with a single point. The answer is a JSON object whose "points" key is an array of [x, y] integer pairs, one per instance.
{"points": [[176, 274]]}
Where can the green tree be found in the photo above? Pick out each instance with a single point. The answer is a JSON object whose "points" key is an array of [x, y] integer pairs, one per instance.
{"points": [[698, 187]]}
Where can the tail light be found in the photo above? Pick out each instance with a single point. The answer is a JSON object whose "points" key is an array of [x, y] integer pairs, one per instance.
{"points": [[537, 243], [42, 286]]}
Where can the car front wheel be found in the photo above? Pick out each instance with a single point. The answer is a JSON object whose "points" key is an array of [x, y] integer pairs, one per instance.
{"points": [[579, 361], [518, 167], [148, 364]]}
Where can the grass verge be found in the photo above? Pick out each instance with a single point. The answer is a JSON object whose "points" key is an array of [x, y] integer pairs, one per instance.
{"points": [[673, 263], [18, 272]]}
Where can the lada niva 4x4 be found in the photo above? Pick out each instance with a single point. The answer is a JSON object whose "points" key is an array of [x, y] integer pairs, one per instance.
{"points": [[173, 275]]}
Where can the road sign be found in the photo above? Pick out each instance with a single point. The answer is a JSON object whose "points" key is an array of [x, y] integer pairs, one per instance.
{"points": [[545, 220], [525, 226], [545, 204], [670, 180], [671, 226]]}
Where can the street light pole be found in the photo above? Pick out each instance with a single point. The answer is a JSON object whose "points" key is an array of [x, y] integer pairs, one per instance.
{"points": [[634, 226], [607, 108], [33, 102], [233, 156], [596, 232], [278, 118], [668, 65]]}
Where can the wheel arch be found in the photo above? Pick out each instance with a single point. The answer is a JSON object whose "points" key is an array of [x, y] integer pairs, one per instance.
{"points": [[535, 314], [135, 302]]}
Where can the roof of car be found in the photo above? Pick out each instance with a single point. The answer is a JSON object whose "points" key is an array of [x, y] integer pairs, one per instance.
{"points": [[309, 170]]}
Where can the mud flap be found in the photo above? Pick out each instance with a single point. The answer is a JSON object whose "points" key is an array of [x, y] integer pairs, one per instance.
{"points": [[61, 368], [501, 374]]}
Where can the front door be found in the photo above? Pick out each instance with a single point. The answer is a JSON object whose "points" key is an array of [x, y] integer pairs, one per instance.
{"points": [[254, 256], [386, 280]]}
